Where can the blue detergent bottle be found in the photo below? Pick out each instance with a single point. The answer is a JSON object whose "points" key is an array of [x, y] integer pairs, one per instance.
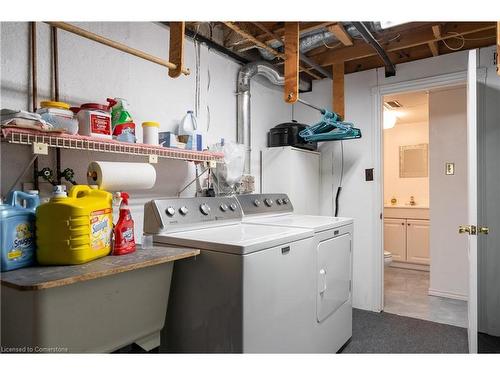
{"points": [[17, 231]]}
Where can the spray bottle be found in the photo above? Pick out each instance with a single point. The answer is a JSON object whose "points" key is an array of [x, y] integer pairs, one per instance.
{"points": [[124, 242]]}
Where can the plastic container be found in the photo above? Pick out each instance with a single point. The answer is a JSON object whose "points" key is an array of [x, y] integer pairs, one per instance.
{"points": [[94, 120], [124, 132], [74, 229], [59, 115], [17, 231], [150, 131], [188, 124]]}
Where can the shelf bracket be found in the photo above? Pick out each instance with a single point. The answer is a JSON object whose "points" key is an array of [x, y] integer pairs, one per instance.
{"points": [[291, 93], [40, 148], [176, 49]]}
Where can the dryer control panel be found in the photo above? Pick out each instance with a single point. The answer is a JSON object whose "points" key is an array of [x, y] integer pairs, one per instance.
{"points": [[260, 204], [177, 213]]}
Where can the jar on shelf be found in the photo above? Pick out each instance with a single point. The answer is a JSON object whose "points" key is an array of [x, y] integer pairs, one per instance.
{"points": [[59, 115], [94, 120], [150, 132]]}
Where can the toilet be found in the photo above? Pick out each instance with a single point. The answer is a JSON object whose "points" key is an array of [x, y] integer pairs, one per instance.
{"points": [[387, 258]]}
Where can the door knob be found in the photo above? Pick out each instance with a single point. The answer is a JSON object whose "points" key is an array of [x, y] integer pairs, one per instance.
{"points": [[470, 229], [483, 230]]}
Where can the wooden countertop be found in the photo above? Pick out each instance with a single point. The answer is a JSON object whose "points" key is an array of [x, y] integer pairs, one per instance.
{"points": [[43, 277]]}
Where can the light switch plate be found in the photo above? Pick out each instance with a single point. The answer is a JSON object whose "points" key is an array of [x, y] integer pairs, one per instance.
{"points": [[449, 169]]}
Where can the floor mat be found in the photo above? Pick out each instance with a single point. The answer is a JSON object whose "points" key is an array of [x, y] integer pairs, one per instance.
{"points": [[388, 333]]}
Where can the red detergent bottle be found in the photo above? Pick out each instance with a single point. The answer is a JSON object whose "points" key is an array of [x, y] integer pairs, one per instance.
{"points": [[124, 229]]}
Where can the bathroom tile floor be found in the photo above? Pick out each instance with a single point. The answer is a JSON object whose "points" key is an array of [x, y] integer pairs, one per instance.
{"points": [[405, 293]]}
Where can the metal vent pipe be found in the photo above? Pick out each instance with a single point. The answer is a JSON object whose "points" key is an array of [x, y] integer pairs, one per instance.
{"points": [[245, 75]]}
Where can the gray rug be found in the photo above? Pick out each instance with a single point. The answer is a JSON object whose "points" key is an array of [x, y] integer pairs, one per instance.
{"points": [[389, 333]]}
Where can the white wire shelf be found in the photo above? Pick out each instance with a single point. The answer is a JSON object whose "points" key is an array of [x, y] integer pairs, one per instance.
{"points": [[79, 142]]}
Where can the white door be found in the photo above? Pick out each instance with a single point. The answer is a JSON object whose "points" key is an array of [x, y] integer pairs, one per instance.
{"points": [[470, 228]]}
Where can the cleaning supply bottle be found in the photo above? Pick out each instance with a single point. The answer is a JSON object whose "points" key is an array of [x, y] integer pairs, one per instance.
{"points": [[124, 242], [74, 228], [17, 231], [121, 120], [188, 124], [189, 127]]}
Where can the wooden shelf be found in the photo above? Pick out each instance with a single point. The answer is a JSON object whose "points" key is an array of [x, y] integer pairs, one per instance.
{"points": [[79, 142]]}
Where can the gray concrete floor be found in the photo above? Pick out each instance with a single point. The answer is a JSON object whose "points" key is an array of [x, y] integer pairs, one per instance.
{"points": [[405, 293]]}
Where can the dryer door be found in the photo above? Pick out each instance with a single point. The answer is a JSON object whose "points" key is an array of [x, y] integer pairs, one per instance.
{"points": [[333, 275]]}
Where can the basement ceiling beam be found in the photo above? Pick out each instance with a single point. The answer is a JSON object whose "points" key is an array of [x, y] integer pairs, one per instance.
{"points": [[485, 38], [338, 89], [410, 39], [291, 87], [338, 30]]}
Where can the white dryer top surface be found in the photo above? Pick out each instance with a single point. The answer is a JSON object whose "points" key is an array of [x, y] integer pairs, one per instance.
{"points": [[236, 238], [316, 223]]}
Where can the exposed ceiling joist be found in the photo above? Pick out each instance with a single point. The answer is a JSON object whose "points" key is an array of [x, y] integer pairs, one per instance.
{"points": [[411, 54], [252, 39], [436, 30], [412, 38], [340, 33], [433, 46], [278, 34]]}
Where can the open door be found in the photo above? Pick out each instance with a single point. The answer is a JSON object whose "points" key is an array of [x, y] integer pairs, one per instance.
{"points": [[471, 228]]}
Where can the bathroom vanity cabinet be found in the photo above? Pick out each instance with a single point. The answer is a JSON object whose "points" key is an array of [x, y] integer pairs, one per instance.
{"points": [[406, 236]]}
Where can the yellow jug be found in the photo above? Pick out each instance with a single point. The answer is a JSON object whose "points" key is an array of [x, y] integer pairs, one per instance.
{"points": [[74, 229]]}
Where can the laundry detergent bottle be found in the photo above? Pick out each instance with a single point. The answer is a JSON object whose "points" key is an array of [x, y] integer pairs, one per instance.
{"points": [[74, 228], [124, 241], [17, 231]]}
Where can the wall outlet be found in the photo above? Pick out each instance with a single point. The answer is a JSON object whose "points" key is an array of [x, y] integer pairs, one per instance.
{"points": [[369, 174]]}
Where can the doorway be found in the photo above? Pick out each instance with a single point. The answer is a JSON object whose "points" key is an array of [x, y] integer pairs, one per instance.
{"points": [[424, 190]]}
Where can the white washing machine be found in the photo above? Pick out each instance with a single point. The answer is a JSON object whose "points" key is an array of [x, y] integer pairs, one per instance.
{"points": [[332, 249], [248, 291]]}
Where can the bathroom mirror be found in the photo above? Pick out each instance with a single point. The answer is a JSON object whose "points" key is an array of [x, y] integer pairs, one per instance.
{"points": [[413, 161]]}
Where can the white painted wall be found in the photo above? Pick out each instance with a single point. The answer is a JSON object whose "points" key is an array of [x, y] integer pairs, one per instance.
{"points": [[90, 72], [358, 196], [404, 134], [448, 193]]}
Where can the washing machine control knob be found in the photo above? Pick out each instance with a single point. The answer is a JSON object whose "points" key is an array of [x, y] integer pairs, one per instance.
{"points": [[256, 203], [279, 201], [170, 211], [232, 206], [183, 210], [223, 207], [205, 209], [269, 202], [286, 201]]}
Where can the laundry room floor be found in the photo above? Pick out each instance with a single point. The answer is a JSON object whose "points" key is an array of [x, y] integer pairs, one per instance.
{"points": [[406, 294], [388, 333]]}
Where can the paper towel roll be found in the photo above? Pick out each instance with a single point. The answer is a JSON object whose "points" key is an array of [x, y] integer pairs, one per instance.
{"points": [[118, 176]]}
